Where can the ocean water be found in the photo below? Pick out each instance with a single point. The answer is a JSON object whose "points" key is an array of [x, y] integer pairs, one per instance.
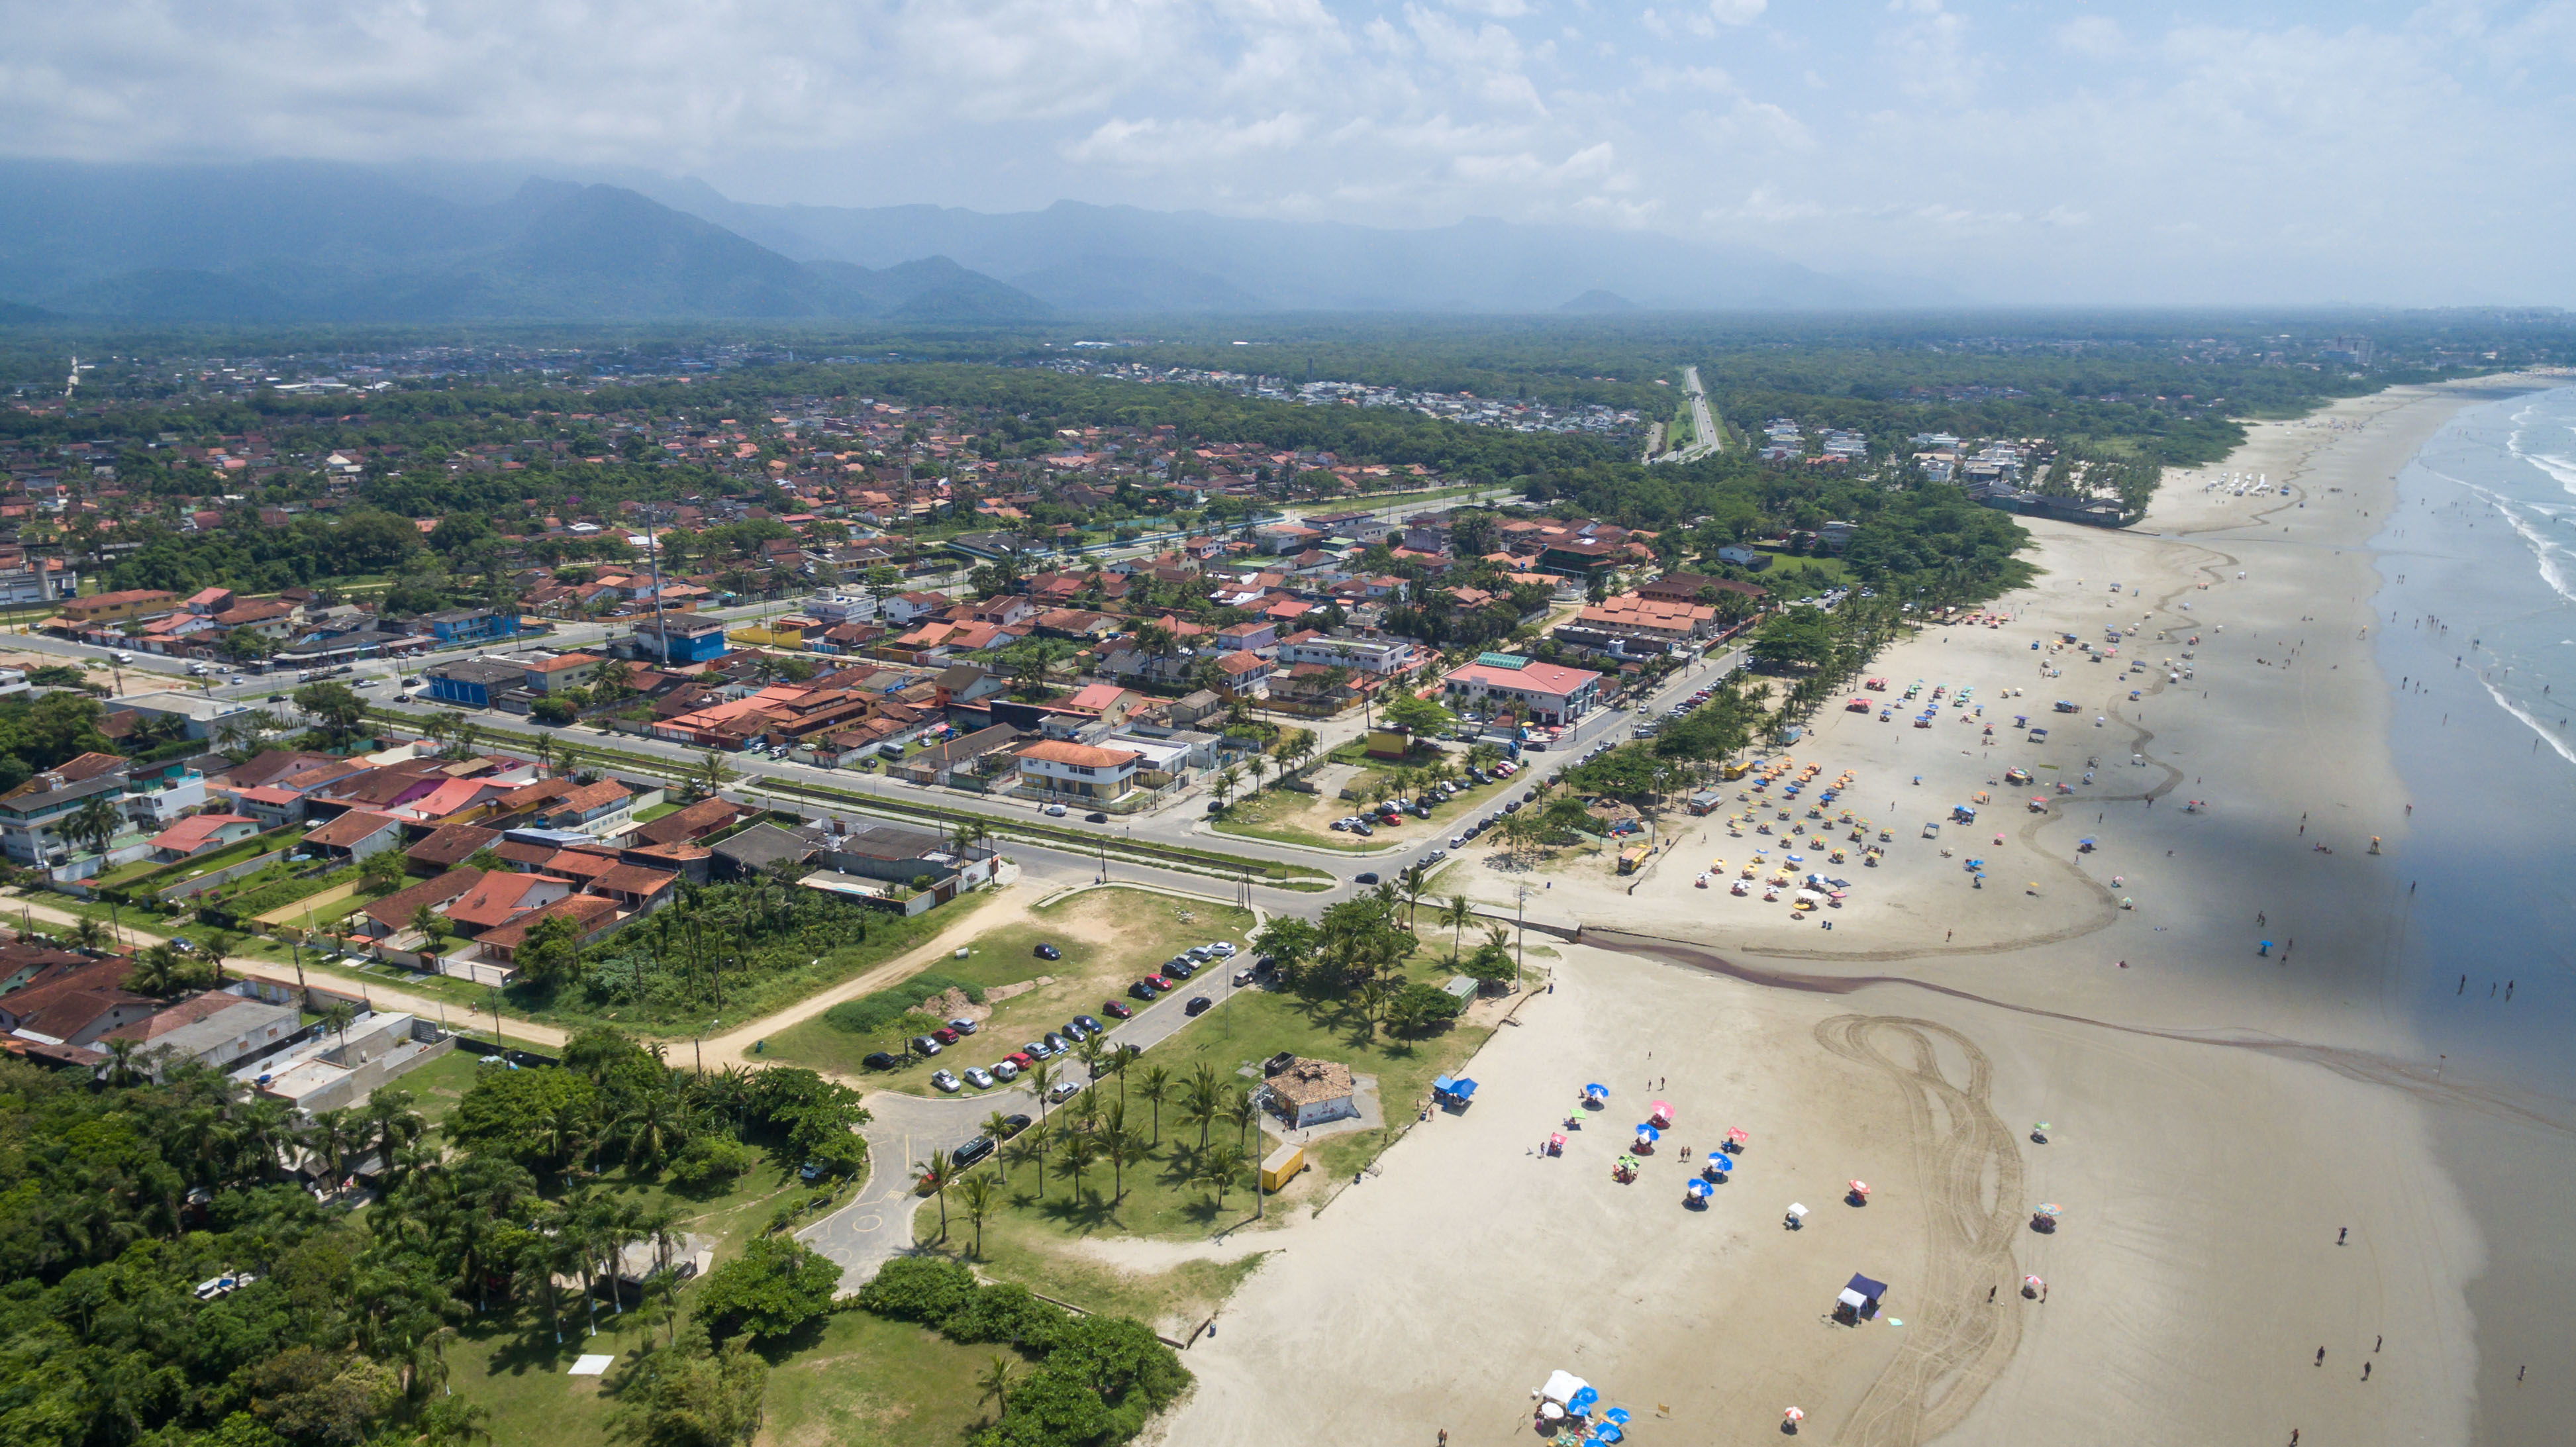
{"points": [[2477, 620]]}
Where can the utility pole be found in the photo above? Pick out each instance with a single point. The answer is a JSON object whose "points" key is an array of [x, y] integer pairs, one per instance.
{"points": [[1520, 932]]}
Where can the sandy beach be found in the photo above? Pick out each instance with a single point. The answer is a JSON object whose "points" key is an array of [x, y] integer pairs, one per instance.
{"points": [[2242, 1139]]}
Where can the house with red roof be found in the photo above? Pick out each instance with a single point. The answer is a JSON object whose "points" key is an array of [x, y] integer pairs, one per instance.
{"points": [[355, 835], [200, 834]]}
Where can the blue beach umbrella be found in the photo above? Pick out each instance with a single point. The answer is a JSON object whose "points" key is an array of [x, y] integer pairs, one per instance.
{"points": [[1608, 1432], [1602, 1091], [1648, 1133], [1698, 1190], [1618, 1415], [1721, 1163], [1582, 1401]]}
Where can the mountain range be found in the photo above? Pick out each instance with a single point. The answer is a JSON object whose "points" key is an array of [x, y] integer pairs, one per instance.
{"points": [[304, 241]]}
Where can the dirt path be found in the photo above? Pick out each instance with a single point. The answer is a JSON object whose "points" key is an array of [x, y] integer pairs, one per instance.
{"points": [[1956, 1344], [735, 1044]]}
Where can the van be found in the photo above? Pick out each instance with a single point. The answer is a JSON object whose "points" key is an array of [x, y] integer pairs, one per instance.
{"points": [[121, 656]]}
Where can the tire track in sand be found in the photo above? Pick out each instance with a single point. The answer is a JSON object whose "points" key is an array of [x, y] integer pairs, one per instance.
{"points": [[1971, 1171]]}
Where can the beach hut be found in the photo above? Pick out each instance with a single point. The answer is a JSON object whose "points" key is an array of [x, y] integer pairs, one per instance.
{"points": [[1452, 1094], [1858, 1300]]}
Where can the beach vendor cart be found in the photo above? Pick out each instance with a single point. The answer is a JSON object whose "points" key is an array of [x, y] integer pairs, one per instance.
{"points": [[1452, 1094]]}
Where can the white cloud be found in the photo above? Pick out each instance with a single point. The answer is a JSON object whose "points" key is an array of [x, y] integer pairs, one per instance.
{"points": [[2098, 36], [1736, 12]]}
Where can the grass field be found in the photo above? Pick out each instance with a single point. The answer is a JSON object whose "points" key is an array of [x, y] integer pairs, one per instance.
{"points": [[1107, 937]]}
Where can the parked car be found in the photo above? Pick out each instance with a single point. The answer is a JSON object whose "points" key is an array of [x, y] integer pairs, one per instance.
{"points": [[944, 1082], [1141, 990], [1055, 1042], [971, 1152], [1073, 1032], [1095, 817], [1038, 1050], [879, 1060], [1200, 953], [1062, 1092], [1179, 969], [1117, 1010], [1513, 807], [924, 1045], [1005, 1070], [1055, 811], [1088, 1023], [1222, 949], [946, 1036], [1242, 978], [1198, 1005], [1013, 1124], [978, 1077], [1019, 1060], [1048, 952], [1161, 984], [964, 1027]]}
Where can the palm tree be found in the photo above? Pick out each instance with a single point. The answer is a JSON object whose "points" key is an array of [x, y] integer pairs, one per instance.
{"points": [[1456, 914], [392, 1123], [1029, 1149], [928, 1173], [157, 971], [337, 1016], [1245, 1107], [1077, 1150], [994, 1384], [1118, 1146], [655, 1127], [1040, 1075], [1412, 886], [979, 1196], [333, 1135], [95, 822], [1154, 1089], [121, 1055], [1218, 1168], [89, 933], [1202, 1100], [998, 1126]]}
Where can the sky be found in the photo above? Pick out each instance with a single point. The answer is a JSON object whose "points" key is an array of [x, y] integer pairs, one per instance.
{"points": [[2049, 151]]}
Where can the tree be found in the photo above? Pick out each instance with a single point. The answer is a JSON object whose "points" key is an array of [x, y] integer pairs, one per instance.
{"points": [[551, 952], [1219, 1168], [1202, 1101], [1154, 1087], [1077, 1150], [994, 1385], [95, 822], [708, 775], [775, 1286], [688, 1396], [333, 707], [979, 1196], [1420, 717], [431, 925], [929, 1175], [381, 872], [1455, 914]]}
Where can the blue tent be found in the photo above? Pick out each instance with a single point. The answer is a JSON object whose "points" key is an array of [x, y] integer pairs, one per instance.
{"points": [[1440, 1085], [1461, 1089]]}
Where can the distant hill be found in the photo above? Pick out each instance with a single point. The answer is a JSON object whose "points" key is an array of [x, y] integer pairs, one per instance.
{"points": [[307, 241], [14, 313], [1597, 300], [315, 243]]}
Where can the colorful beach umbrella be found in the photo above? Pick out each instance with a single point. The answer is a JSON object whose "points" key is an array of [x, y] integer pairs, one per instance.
{"points": [[1663, 1108], [1555, 1139], [1737, 1136], [1648, 1133], [1721, 1163], [2050, 1208], [1619, 1415], [1600, 1090], [1792, 1414], [1698, 1190], [1860, 1188]]}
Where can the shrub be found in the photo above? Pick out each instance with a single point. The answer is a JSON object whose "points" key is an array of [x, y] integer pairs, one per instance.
{"points": [[774, 1287], [919, 1288], [1006, 1313], [710, 1162]]}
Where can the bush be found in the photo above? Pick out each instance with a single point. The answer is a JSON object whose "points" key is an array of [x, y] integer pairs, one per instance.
{"points": [[874, 1014], [774, 1287], [711, 1162], [919, 1288], [1005, 1313]]}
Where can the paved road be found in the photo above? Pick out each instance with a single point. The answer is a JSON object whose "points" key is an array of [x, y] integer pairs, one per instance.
{"points": [[1707, 439]]}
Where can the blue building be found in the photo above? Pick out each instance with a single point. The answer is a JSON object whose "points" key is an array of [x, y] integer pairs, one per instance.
{"points": [[472, 684], [471, 625], [689, 638]]}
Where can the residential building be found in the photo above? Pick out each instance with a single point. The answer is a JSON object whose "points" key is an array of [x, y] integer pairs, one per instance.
{"points": [[679, 639], [219, 1028], [474, 682], [469, 625], [355, 835], [117, 607], [37, 580], [1360, 655], [200, 834], [1058, 766], [1546, 692], [32, 815]]}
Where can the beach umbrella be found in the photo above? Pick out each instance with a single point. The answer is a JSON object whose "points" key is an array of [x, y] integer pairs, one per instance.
{"points": [[1581, 1402], [1602, 1091], [1698, 1190], [1721, 1163], [2084, 841], [1608, 1432], [1797, 1211], [1556, 1138], [1736, 1136], [2050, 1208], [1661, 1108], [1648, 1132], [1793, 1415], [1860, 1189], [2032, 1283], [1618, 1415]]}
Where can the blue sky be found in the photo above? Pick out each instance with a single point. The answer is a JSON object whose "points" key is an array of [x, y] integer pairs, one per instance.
{"points": [[2077, 151]]}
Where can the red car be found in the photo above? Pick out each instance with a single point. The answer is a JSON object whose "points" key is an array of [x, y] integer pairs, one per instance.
{"points": [[1020, 1058], [1115, 1010], [945, 1036], [1158, 982]]}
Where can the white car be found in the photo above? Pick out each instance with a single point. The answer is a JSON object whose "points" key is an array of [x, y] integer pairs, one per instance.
{"points": [[1055, 811], [944, 1082], [1005, 1070], [1222, 950], [978, 1077]]}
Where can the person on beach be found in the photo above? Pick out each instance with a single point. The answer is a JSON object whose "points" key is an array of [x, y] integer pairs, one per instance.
{"points": [[2341, 1235], [2321, 1356]]}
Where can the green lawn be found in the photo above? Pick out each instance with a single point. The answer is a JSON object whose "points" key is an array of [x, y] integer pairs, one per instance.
{"points": [[657, 811], [1108, 937], [869, 1382]]}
